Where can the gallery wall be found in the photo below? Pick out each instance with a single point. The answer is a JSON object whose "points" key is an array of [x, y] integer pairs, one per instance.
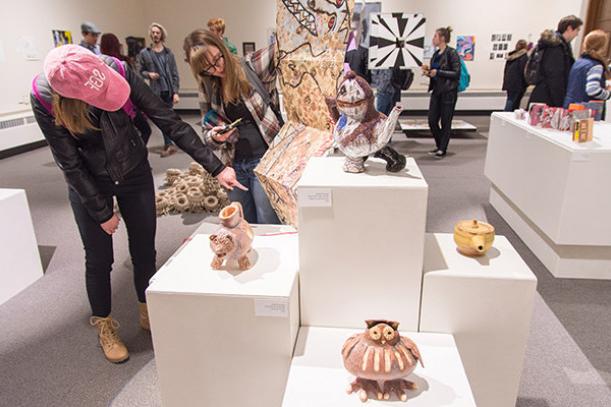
{"points": [[248, 20]]}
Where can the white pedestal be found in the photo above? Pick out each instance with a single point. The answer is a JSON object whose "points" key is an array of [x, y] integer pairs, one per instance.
{"points": [[225, 338], [487, 304], [554, 193], [361, 239], [318, 377], [18, 248]]}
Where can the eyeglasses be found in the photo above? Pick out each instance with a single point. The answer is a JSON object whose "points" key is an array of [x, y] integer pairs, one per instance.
{"points": [[214, 65]]}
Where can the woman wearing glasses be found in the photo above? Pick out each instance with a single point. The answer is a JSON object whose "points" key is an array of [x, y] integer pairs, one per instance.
{"points": [[232, 88]]}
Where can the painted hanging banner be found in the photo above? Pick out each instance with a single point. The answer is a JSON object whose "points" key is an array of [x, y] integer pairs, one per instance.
{"points": [[465, 46], [397, 40]]}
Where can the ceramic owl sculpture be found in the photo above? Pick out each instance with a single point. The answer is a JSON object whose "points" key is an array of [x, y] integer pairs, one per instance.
{"points": [[232, 242], [380, 359], [360, 130]]}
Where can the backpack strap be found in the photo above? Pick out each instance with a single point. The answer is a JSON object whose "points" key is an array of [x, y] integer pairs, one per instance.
{"points": [[128, 107], [46, 103]]}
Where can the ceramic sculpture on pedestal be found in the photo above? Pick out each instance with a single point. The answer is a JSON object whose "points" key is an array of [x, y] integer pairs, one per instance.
{"points": [[233, 240], [360, 130], [380, 359], [473, 238]]}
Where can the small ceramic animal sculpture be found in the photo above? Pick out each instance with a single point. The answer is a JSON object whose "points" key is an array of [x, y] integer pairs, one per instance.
{"points": [[473, 238], [360, 130], [380, 358], [233, 240]]}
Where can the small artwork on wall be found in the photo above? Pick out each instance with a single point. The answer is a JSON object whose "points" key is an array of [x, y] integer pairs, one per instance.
{"points": [[492, 55], [61, 37], [465, 46], [248, 48], [500, 42]]}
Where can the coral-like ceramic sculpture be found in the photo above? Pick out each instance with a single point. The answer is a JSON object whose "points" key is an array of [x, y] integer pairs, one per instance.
{"points": [[360, 130], [193, 190], [380, 359], [233, 240]]}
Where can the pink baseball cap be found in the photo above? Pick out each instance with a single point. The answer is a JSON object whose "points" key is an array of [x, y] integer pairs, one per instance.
{"points": [[75, 72]]}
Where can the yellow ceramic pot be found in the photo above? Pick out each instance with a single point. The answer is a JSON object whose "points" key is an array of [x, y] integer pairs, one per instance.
{"points": [[473, 238]]}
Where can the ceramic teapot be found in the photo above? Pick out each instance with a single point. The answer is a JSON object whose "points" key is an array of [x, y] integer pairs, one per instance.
{"points": [[233, 240], [473, 238]]}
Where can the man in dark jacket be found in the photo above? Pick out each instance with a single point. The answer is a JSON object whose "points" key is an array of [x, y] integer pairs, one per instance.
{"points": [[157, 64], [556, 63], [514, 81]]}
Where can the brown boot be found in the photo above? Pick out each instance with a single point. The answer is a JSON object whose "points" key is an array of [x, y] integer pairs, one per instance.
{"points": [[144, 316], [114, 349]]}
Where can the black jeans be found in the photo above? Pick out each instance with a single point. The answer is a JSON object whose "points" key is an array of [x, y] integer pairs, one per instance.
{"points": [[441, 109], [167, 98], [136, 200]]}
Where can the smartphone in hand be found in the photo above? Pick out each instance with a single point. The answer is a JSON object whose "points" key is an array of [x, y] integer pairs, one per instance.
{"points": [[229, 126]]}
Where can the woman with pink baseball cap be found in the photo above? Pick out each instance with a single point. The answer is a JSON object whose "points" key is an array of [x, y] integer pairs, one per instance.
{"points": [[83, 105]]}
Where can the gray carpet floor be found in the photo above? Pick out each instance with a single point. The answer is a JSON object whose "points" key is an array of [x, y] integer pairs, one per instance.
{"points": [[49, 355]]}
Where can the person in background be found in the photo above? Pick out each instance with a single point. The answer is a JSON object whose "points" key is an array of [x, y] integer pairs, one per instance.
{"points": [[357, 55], [80, 105], [556, 63], [387, 94], [217, 26], [514, 81], [234, 88], [587, 79], [157, 64], [110, 45], [90, 37], [444, 72]]}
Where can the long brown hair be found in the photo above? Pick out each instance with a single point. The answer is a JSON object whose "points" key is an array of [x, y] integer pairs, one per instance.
{"points": [[595, 44], [234, 83], [72, 114]]}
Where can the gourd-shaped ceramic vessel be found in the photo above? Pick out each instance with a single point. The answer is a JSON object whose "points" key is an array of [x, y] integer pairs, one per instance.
{"points": [[473, 238], [380, 358], [233, 240]]}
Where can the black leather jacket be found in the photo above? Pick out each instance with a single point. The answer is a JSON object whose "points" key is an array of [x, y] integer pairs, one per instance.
{"points": [[448, 75], [116, 149]]}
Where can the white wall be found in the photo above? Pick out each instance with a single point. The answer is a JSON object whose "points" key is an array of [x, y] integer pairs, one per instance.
{"points": [[34, 19]]}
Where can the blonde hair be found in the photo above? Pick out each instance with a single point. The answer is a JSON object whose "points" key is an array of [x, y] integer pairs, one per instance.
{"points": [[72, 114], [595, 44], [217, 24], [164, 33], [234, 83]]}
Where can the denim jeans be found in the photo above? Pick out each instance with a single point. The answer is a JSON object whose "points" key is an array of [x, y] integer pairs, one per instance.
{"points": [[256, 205], [513, 101], [168, 99], [386, 101]]}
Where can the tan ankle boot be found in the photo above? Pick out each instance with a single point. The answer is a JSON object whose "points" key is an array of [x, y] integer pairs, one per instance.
{"points": [[144, 316], [114, 349]]}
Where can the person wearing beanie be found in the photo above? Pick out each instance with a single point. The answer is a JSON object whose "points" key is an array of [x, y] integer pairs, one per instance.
{"points": [[82, 104]]}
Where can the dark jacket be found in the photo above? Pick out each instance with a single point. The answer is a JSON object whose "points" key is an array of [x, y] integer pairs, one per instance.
{"points": [[146, 63], [578, 81], [514, 81], [554, 70], [117, 148], [448, 74], [358, 61]]}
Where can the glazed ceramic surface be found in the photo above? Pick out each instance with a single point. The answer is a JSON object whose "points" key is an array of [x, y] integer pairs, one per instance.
{"points": [[473, 238], [233, 240], [380, 358]]}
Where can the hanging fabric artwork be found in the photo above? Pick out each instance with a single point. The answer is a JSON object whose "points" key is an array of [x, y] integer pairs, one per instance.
{"points": [[397, 40]]}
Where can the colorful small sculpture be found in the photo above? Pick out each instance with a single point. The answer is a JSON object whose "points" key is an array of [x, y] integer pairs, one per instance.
{"points": [[473, 238], [360, 130], [233, 240], [380, 358]]}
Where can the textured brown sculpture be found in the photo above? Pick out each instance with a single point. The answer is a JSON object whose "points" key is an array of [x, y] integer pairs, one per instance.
{"points": [[473, 238], [233, 241], [380, 358]]}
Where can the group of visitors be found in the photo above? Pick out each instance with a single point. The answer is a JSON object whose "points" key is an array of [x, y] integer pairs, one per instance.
{"points": [[550, 66]]}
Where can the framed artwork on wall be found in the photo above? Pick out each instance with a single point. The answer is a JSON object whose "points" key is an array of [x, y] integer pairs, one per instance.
{"points": [[248, 48], [61, 37]]}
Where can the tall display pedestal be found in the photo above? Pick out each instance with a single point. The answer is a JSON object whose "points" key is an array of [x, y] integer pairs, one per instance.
{"points": [[487, 304], [554, 193], [225, 338], [18, 248], [361, 240], [318, 377]]}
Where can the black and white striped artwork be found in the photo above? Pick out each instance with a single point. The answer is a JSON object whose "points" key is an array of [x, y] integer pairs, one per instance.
{"points": [[397, 39]]}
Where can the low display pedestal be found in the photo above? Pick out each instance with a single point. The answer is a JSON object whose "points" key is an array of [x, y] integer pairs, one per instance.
{"points": [[361, 240], [225, 338], [554, 193], [318, 378], [487, 304], [20, 257]]}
